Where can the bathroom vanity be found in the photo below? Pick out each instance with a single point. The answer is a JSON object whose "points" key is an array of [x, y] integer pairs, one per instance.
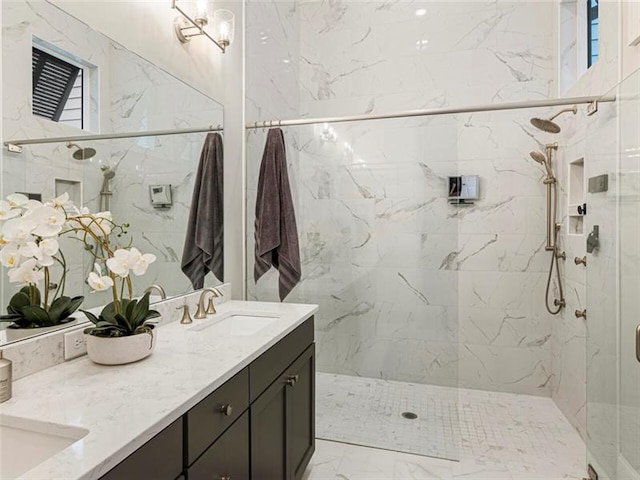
{"points": [[259, 424], [228, 397]]}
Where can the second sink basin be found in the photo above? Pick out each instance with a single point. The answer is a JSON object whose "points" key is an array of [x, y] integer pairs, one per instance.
{"points": [[25, 443], [237, 324]]}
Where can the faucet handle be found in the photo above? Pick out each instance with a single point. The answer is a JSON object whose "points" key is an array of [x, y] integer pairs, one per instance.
{"points": [[186, 317], [211, 309]]}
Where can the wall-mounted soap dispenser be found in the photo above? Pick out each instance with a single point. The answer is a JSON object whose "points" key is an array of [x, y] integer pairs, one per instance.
{"points": [[160, 196]]}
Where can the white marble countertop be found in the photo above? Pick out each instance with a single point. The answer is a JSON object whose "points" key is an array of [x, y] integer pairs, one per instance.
{"points": [[123, 407]]}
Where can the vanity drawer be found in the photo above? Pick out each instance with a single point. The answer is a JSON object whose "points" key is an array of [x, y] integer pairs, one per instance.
{"points": [[270, 365], [160, 458], [212, 416], [228, 457]]}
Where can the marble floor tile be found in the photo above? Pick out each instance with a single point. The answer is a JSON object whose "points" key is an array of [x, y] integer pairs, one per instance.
{"points": [[485, 435]]}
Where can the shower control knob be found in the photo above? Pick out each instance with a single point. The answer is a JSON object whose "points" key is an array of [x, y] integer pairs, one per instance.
{"points": [[580, 261], [581, 314]]}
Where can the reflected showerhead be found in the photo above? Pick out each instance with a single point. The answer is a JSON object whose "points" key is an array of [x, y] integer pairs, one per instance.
{"points": [[538, 157], [548, 125], [545, 125], [107, 172], [82, 153]]}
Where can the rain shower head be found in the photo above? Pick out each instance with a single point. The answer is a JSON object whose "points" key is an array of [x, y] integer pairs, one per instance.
{"points": [[548, 125], [82, 153]]}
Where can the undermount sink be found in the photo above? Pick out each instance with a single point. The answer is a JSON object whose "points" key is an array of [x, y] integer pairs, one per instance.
{"points": [[237, 324], [25, 443]]}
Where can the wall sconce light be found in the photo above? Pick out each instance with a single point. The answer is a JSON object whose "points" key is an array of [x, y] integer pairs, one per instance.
{"points": [[222, 23]]}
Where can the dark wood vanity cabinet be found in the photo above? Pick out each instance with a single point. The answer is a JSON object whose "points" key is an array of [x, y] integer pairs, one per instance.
{"points": [[283, 425], [259, 425]]}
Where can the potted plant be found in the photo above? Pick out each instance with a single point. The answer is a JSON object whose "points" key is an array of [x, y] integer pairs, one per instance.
{"points": [[121, 333], [30, 250]]}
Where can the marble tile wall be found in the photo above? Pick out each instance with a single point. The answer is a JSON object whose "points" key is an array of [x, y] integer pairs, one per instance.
{"points": [[411, 288]]}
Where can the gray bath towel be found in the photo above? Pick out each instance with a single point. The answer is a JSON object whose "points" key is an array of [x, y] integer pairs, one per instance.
{"points": [[276, 232], [203, 247]]}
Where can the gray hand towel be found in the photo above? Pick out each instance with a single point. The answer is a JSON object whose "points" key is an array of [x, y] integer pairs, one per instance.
{"points": [[203, 247], [276, 232]]}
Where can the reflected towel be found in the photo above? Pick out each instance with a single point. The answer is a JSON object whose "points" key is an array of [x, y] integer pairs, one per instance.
{"points": [[204, 248], [276, 233]]}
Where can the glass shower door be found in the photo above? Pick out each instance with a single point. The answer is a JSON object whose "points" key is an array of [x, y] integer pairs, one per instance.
{"points": [[629, 211]]}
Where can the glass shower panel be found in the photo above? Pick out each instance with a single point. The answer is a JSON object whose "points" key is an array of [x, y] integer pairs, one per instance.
{"points": [[376, 237], [602, 147], [629, 215]]}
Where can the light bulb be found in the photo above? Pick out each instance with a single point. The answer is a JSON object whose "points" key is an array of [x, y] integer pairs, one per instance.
{"points": [[223, 24]]}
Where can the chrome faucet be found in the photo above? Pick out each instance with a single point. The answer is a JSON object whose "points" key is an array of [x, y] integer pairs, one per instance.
{"points": [[151, 288], [211, 309]]}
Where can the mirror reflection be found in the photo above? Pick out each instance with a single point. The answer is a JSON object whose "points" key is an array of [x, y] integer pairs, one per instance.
{"points": [[63, 80]]}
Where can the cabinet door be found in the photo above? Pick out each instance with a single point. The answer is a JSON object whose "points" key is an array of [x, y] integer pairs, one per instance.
{"points": [[160, 458], [228, 457], [300, 422], [268, 438]]}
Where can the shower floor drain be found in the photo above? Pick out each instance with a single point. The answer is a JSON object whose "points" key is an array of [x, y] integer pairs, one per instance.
{"points": [[409, 415]]}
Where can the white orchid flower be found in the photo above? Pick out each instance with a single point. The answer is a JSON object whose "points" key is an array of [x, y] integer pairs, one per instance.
{"points": [[121, 262], [10, 256], [18, 200], [33, 250], [18, 230], [61, 203], [7, 212], [99, 282], [49, 246], [140, 262], [47, 220], [27, 273]]}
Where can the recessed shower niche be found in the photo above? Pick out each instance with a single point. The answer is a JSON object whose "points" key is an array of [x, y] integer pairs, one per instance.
{"points": [[72, 187], [576, 207]]}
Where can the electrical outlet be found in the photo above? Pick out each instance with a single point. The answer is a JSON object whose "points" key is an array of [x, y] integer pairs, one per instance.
{"points": [[74, 344]]}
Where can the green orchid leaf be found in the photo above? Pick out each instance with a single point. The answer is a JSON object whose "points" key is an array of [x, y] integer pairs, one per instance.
{"points": [[58, 307], [129, 310], [124, 323], [74, 304], [19, 300], [95, 320], [37, 315]]}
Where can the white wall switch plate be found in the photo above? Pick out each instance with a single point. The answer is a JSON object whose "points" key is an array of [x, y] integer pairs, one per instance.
{"points": [[74, 344]]}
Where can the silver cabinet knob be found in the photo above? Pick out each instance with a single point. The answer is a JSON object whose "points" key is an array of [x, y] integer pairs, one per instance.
{"points": [[226, 410]]}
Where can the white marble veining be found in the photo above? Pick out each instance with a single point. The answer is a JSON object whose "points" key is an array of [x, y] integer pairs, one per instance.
{"points": [[123, 407], [411, 288]]}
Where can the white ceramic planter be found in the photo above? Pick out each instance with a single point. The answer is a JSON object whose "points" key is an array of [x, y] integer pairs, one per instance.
{"points": [[120, 350]]}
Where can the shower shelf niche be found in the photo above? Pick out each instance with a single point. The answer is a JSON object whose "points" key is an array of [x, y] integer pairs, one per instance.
{"points": [[576, 197]]}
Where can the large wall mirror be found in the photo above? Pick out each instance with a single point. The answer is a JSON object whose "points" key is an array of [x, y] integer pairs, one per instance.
{"points": [[62, 79]]}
